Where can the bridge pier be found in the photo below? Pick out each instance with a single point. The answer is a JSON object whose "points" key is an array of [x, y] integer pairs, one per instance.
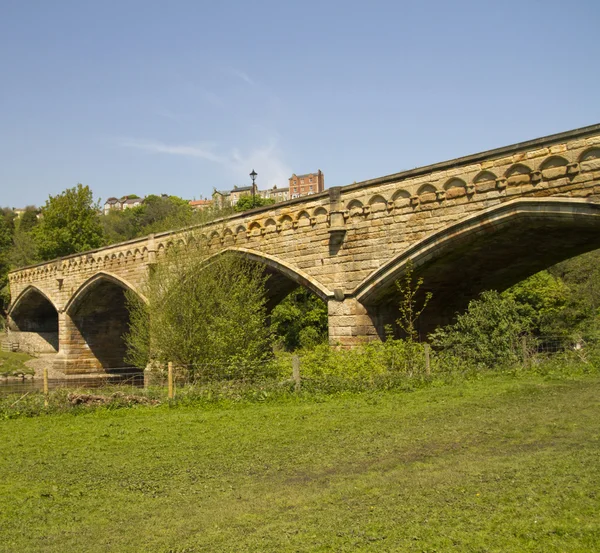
{"points": [[351, 323]]}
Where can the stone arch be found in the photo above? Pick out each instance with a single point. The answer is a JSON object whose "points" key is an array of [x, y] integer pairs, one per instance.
{"points": [[354, 204], [240, 228], [401, 195], [455, 183], [426, 189], [254, 226], [227, 236], [590, 154], [484, 176], [96, 319], [284, 277], [590, 160], [33, 319], [517, 169], [303, 219], [270, 225], [286, 222], [377, 199], [492, 249], [552, 162]]}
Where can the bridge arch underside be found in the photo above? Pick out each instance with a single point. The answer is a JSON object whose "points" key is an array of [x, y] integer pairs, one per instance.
{"points": [[96, 321], [33, 320], [489, 253], [281, 279]]}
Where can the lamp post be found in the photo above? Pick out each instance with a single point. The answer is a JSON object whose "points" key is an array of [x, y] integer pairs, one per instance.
{"points": [[253, 177]]}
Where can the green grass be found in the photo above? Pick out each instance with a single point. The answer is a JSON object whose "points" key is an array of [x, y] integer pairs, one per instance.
{"points": [[12, 364], [498, 464]]}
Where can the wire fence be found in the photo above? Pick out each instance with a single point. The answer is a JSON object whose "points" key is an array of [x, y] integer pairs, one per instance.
{"points": [[297, 371]]}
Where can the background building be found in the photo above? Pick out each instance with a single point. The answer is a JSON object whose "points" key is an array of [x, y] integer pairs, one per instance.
{"points": [[223, 198], [199, 205], [304, 185], [277, 194]]}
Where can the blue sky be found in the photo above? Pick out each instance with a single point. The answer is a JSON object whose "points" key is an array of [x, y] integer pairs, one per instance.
{"points": [[179, 97]]}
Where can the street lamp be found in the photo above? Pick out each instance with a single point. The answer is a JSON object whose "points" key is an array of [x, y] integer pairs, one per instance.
{"points": [[253, 177]]}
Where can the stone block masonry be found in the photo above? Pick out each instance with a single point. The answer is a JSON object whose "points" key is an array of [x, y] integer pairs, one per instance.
{"points": [[481, 221]]}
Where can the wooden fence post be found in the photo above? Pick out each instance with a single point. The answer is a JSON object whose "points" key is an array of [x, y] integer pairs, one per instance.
{"points": [[427, 362], [524, 351], [296, 372], [45, 375], [170, 380]]}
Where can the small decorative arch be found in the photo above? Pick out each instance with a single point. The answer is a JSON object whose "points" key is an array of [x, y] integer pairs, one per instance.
{"points": [[303, 219], [517, 169], [227, 236], [455, 183], [270, 225], [240, 228], [355, 204], [377, 199], [254, 225], [401, 195], [484, 176], [553, 162], [285, 220], [589, 155], [320, 211], [426, 189]]}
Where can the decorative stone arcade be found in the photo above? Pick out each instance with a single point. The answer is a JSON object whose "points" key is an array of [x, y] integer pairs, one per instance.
{"points": [[483, 221]]}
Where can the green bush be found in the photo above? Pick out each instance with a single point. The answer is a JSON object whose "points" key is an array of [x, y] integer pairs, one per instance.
{"points": [[487, 335]]}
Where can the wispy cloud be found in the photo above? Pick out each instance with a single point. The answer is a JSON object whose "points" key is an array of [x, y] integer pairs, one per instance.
{"points": [[201, 150], [267, 160], [239, 74]]}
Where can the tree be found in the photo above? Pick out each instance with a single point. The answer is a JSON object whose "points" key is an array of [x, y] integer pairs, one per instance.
{"points": [[487, 334], [410, 307], [300, 320], [69, 223], [247, 202], [207, 316], [540, 299], [29, 219], [6, 234]]}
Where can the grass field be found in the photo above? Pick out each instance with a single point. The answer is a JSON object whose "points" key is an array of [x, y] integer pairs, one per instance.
{"points": [[499, 464], [14, 363]]}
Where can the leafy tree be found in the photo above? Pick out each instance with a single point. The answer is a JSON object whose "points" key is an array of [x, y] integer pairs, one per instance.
{"points": [[6, 234], [209, 318], [119, 226], [300, 320], [247, 202], [541, 299], [160, 213], [487, 334], [29, 219], [69, 223]]}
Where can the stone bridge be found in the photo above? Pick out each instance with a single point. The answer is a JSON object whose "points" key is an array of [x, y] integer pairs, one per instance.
{"points": [[478, 222]]}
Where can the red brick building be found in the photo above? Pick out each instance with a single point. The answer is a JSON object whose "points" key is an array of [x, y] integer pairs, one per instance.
{"points": [[304, 185]]}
